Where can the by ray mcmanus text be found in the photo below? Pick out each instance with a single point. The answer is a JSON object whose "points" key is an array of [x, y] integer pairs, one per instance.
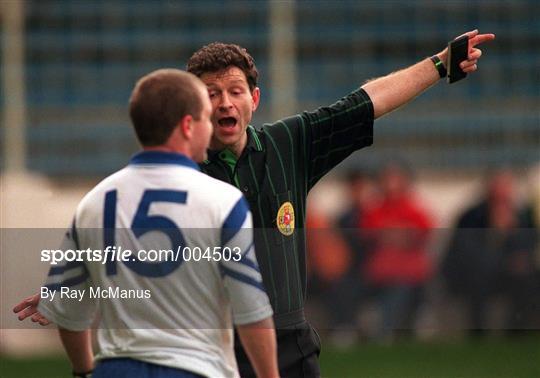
{"points": [[65, 292]]}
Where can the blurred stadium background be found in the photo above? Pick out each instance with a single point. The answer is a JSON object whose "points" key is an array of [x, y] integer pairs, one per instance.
{"points": [[68, 68]]}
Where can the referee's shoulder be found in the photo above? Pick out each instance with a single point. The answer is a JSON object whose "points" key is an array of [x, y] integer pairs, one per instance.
{"points": [[283, 128], [289, 121]]}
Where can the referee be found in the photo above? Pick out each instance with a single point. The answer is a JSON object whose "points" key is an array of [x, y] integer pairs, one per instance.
{"points": [[277, 165]]}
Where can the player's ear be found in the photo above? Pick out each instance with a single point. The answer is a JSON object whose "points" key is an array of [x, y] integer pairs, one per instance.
{"points": [[186, 126], [256, 96]]}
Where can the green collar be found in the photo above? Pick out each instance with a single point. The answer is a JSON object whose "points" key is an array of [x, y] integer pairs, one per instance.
{"points": [[228, 157]]}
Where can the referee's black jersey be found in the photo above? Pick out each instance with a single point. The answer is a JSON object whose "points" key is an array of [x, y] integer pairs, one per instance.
{"points": [[276, 170]]}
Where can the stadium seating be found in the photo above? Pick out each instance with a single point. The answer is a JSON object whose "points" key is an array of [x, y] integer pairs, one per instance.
{"points": [[82, 59]]}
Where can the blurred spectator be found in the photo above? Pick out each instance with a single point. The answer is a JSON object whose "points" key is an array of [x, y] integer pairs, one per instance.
{"points": [[364, 196], [329, 257], [336, 257], [524, 272], [532, 213], [329, 264], [491, 253], [347, 293], [397, 266]]}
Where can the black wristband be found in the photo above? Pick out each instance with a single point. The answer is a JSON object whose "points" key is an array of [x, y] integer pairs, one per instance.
{"points": [[87, 374], [439, 66]]}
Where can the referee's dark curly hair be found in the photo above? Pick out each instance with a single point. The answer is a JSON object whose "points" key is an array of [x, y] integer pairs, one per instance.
{"points": [[218, 56]]}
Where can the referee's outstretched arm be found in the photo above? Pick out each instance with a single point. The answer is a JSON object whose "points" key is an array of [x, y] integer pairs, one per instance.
{"points": [[391, 91]]}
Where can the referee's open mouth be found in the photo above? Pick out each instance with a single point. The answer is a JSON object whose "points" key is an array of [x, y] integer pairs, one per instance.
{"points": [[227, 123]]}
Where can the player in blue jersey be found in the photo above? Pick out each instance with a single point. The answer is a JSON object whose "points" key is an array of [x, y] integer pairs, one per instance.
{"points": [[173, 317]]}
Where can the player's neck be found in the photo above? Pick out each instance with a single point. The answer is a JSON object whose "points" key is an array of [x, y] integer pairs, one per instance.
{"points": [[170, 149]]}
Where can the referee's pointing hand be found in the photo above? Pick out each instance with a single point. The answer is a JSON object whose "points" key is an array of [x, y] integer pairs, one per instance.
{"points": [[470, 65]]}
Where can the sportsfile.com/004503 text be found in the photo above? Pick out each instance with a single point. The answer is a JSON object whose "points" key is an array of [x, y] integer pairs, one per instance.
{"points": [[111, 254]]}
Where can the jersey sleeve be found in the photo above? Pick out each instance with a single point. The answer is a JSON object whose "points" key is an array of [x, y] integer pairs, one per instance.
{"points": [[65, 297], [332, 133], [240, 274]]}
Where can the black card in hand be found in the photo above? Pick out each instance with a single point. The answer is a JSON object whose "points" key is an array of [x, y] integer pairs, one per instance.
{"points": [[457, 52]]}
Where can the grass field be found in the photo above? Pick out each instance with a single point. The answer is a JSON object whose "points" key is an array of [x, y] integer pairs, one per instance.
{"points": [[491, 358]]}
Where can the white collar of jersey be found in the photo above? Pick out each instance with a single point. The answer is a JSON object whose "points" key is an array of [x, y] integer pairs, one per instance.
{"points": [[160, 157]]}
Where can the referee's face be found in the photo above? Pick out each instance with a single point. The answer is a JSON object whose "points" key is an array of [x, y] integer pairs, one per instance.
{"points": [[233, 104]]}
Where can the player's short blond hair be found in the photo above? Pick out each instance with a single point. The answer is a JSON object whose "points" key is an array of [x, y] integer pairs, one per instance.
{"points": [[160, 100]]}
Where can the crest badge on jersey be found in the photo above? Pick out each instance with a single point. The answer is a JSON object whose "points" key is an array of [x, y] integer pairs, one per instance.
{"points": [[285, 219]]}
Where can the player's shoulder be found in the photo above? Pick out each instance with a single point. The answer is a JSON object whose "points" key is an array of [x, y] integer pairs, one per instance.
{"points": [[94, 198], [218, 199], [217, 189]]}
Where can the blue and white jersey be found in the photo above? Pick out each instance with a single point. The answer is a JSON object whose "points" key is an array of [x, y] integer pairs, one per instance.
{"points": [[176, 310]]}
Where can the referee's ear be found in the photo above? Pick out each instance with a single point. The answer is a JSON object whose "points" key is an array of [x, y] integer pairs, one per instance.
{"points": [[256, 97]]}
